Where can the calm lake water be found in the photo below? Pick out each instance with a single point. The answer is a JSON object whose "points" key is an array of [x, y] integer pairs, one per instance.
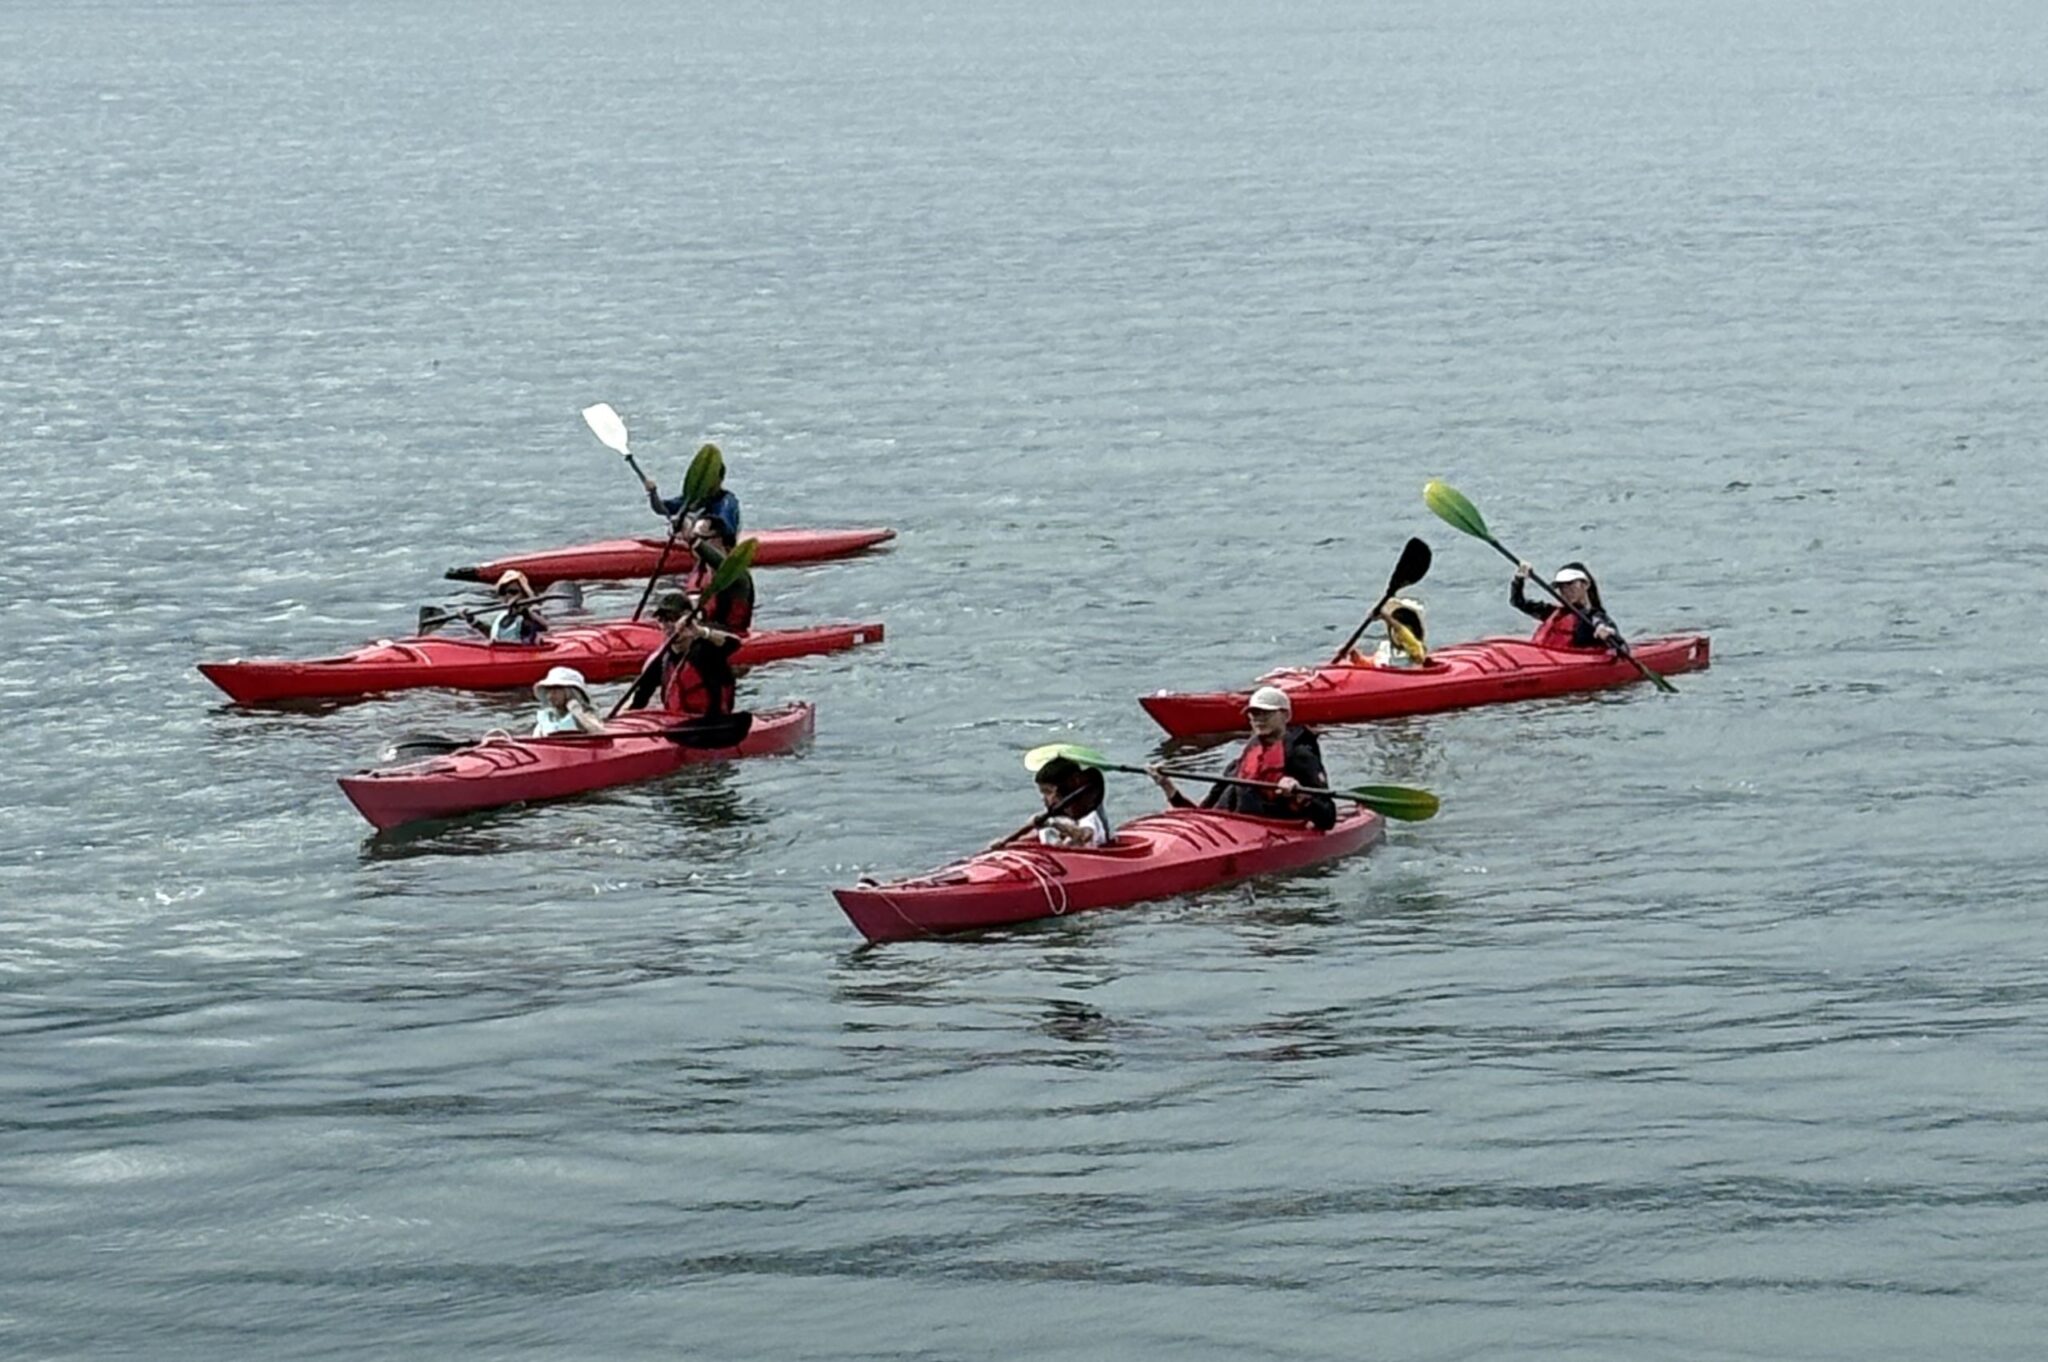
{"points": [[1704, 1027]]}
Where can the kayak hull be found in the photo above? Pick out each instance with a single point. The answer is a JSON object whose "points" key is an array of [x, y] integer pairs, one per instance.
{"points": [[1177, 851], [611, 651], [613, 560], [502, 771], [1486, 672]]}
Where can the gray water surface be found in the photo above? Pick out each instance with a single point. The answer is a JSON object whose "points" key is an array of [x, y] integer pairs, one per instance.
{"points": [[1704, 1027]]}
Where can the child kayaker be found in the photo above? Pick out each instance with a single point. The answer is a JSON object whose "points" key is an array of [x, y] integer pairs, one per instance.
{"points": [[1404, 645], [564, 704], [1562, 627], [1281, 755], [720, 503], [1076, 791], [519, 621]]}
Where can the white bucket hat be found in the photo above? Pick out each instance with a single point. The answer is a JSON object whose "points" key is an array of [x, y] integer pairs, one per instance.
{"points": [[1270, 697], [563, 678]]}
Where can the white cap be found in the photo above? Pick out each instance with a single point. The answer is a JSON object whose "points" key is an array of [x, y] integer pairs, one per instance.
{"points": [[1570, 574], [1270, 697], [514, 577], [566, 678]]}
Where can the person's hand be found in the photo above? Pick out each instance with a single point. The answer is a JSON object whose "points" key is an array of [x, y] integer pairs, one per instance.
{"points": [[689, 631], [1159, 776], [1287, 785], [1603, 632], [1523, 572], [648, 483]]}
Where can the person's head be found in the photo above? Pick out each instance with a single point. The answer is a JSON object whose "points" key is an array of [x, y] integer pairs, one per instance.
{"points": [[1410, 617], [1267, 711], [670, 611], [560, 686], [1060, 778], [714, 527], [512, 585], [1576, 585]]}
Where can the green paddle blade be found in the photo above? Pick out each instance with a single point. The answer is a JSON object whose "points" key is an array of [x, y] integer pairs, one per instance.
{"points": [[1453, 509], [736, 565], [1036, 759], [1399, 802], [707, 470]]}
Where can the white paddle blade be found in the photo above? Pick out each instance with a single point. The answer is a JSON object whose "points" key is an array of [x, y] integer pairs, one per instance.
{"points": [[606, 425]]}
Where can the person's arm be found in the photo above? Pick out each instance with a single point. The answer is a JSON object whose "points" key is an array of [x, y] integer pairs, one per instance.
{"points": [[586, 718], [1174, 798], [1305, 764], [1592, 629], [1539, 610], [648, 684], [536, 625], [476, 622]]}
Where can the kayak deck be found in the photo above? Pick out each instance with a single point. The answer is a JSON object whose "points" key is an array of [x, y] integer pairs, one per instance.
{"points": [[619, 559], [609, 651], [1486, 671], [1176, 851], [502, 770]]}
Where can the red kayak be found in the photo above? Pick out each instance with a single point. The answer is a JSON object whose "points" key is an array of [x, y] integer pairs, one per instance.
{"points": [[1177, 851], [1486, 672], [500, 771], [614, 560], [611, 651]]}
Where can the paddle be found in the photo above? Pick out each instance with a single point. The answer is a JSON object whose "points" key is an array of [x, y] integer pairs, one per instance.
{"points": [[1454, 510], [710, 733], [1400, 802], [432, 617], [706, 471], [1412, 567], [736, 566], [1042, 819], [610, 428]]}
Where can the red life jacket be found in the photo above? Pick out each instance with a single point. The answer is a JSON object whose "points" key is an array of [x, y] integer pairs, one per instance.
{"points": [[1263, 762], [686, 691], [1556, 629]]}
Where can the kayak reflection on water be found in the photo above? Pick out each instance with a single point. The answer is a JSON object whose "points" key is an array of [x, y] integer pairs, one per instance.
{"points": [[1282, 755]]}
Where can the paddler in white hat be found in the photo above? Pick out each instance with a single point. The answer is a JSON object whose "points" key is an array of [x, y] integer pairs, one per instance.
{"points": [[1564, 626], [1282, 757], [564, 705], [519, 621]]}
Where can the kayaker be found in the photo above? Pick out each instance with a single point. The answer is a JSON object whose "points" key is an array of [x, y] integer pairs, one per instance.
{"points": [[564, 704], [1283, 755], [692, 672], [720, 503], [1404, 644], [1561, 626], [519, 621], [1076, 791]]}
